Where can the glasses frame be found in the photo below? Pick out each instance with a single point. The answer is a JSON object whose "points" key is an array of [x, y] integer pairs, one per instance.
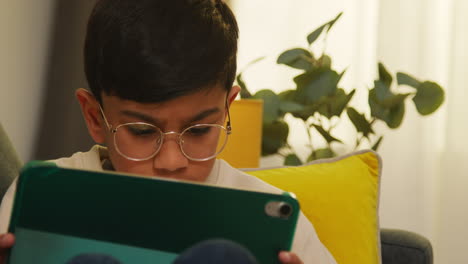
{"points": [[227, 129]]}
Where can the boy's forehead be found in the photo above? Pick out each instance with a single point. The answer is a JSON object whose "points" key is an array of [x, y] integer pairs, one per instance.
{"points": [[166, 96], [213, 95]]}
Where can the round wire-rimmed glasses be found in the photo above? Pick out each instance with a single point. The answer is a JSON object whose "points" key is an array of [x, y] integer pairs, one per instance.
{"points": [[140, 141]]}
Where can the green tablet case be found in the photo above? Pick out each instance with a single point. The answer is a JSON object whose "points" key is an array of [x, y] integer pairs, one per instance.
{"points": [[59, 213]]}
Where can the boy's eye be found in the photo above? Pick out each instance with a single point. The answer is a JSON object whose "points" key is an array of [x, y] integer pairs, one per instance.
{"points": [[141, 130], [199, 130]]}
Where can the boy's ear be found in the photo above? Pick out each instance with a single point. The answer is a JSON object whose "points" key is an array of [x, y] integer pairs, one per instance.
{"points": [[233, 93], [91, 114]]}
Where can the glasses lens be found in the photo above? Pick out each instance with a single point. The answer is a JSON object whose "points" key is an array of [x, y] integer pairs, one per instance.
{"points": [[137, 140], [201, 142]]}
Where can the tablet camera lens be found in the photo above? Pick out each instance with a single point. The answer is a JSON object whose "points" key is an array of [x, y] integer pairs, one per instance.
{"points": [[278, 209], [285, 210]]}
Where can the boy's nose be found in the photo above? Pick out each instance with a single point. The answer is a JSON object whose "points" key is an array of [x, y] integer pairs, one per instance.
{"points": [[170, 158]]}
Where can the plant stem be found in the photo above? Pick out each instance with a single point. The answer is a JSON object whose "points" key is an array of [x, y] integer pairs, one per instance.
{"points": [[310, 136], [325, 38], [291, 149], [333, 125], [358, 141], [287, 149], [318, 119]]}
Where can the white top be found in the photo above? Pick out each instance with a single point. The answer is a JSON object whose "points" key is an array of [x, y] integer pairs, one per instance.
{"points": [[306, 243]]}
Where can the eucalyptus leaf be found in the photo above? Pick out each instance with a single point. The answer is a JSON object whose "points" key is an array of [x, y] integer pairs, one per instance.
{"points": [[406, 79], [384, 76], [297, 58], [395, 117], [429, 97], [303, 112], [254, 61], [244, 92], [392, 116], [306, 112], [341, 102], [271, 103], [289, 107], [325, 61], [325, 107], [292, 160], [323, 153], [385, 97], [334, 105], [395, 100], [288, 95], [312, 37], [312, 86], [288, 104], [326, 135], [360, 122], [382, 91], [274, 137], [378, 110], [333, 21], [342, 74]]}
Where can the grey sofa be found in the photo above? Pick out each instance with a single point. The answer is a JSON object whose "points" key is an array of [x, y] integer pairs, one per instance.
{"points": [[403, 247], [398, 246]]}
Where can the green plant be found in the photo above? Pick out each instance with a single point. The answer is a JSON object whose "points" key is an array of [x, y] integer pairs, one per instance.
{"points": [[320, 102]]}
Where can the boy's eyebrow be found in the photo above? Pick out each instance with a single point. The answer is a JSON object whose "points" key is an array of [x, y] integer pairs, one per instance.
{"points": [[152, 120], [138, 115], [204, 114]]}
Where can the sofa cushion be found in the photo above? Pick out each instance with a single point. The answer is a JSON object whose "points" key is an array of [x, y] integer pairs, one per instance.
{"points": [[340, 196]]}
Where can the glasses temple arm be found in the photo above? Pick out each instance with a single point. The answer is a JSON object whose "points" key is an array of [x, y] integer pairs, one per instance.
{"points": [[105, 119]]}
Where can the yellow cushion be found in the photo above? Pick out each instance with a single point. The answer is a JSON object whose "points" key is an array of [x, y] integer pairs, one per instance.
{"points": [[340, 197]]}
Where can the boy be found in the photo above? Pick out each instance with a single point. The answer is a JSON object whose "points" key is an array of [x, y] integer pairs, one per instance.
{"points": [[160, 74]]}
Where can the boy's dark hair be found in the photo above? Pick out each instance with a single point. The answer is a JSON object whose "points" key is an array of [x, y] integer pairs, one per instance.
{"points": [[157, 50]]}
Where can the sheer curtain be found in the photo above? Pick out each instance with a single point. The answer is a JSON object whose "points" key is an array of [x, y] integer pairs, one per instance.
{"points": [[424, 172], [425, 160], [452, 214]]}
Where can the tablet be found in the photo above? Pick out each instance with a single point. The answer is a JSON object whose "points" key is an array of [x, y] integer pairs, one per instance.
{"points": [[61, 213]]}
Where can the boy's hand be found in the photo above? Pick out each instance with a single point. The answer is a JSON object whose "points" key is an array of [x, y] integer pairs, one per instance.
{"points": [[286, 257], [6, 242]]}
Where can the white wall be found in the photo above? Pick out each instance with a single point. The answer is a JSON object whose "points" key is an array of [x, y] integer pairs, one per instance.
{"points": [[25, 30]]}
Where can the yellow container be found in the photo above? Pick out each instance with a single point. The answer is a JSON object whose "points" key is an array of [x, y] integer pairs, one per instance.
{"points": [[244, 145]]}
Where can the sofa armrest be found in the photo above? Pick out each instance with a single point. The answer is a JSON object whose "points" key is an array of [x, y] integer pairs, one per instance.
{"points": [[403, 247]]}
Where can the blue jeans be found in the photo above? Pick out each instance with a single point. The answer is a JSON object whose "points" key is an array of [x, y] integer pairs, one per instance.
{"points": [[206, 252]]}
